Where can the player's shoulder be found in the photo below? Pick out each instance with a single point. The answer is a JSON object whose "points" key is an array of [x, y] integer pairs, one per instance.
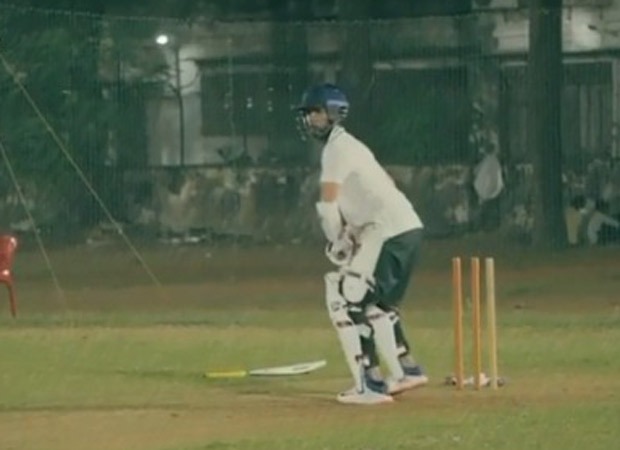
{"points": [[342, 141]]}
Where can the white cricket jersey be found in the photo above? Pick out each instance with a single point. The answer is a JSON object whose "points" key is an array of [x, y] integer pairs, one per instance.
{"points": [[367, 193]]}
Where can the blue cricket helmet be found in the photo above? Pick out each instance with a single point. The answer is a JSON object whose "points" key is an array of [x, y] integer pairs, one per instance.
{"points": [[325, 96]]}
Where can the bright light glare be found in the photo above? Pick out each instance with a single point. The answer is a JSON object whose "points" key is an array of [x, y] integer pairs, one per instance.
{"points": [[162, 39]]}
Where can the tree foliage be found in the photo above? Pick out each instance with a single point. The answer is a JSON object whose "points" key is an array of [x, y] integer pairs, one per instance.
{"points": [[50, 84], [53, 53]]}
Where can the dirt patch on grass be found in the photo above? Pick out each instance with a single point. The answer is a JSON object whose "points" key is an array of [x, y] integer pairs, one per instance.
{"points": [[238, 415]]}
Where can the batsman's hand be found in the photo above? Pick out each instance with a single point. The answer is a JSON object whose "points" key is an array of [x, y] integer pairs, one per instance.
{"points": [[341, 251]]}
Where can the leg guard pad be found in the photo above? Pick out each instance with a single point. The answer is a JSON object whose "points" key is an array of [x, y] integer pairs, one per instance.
{"points": [[354, 286], [348, 332], [385, 339]]}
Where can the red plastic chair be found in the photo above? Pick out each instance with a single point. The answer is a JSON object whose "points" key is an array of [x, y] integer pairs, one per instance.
{"points": [[8, 245]]}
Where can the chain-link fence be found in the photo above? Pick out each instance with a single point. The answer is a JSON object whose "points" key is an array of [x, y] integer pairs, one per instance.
{"points": [[185, 131]]}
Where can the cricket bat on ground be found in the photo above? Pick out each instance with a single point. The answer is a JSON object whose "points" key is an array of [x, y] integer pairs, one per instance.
{"points": [[293, 369]]}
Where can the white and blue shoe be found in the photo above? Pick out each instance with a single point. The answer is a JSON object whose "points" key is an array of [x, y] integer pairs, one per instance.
{"points": [[374, 392], [414, 378]]}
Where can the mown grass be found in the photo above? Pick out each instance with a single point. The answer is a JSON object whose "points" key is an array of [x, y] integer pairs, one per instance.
{"points": [[118, 368]]}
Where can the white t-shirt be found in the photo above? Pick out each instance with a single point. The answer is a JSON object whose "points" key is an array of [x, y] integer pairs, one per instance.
{"points": [[488, 181], [367, 193]]}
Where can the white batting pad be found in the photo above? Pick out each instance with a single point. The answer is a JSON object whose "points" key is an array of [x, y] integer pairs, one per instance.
{"points": [[346, 330], [385, 340]]}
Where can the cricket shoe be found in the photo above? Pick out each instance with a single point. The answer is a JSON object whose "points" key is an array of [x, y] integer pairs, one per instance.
{"points": [[373, 393], [414, 377]]}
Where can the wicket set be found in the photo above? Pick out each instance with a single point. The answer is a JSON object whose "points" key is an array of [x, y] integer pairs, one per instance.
{"points": [[476, 316]]}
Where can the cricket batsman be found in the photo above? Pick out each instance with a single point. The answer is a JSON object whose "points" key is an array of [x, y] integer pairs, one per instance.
{"points": [[373, 237]]}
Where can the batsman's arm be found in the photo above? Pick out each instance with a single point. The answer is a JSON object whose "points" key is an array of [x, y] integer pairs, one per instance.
{"points": [[329, 214], [329, 191]]}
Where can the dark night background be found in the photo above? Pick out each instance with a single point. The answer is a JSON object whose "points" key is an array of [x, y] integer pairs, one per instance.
{"points": [[285, 9]]}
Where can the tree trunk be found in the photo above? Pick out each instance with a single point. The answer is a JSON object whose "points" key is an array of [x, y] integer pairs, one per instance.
{"points": [[356, 77], [543, 121]]}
